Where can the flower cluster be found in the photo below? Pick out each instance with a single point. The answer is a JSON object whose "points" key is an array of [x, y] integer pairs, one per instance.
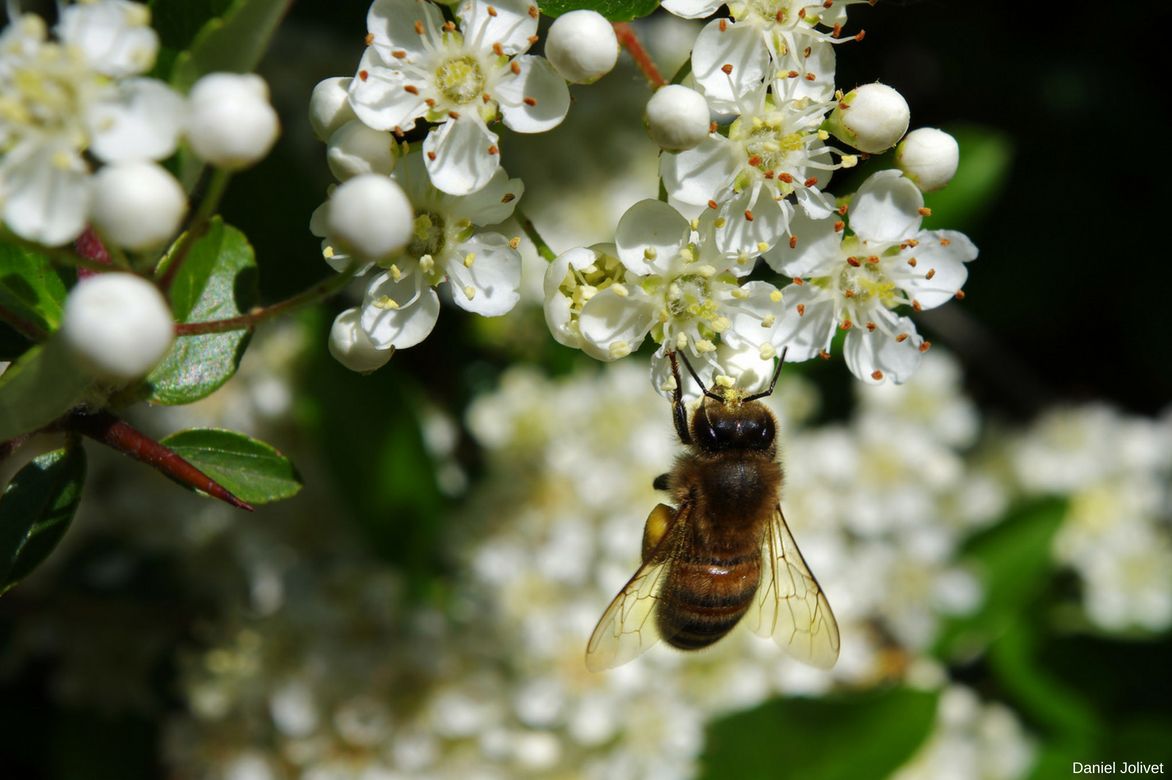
{"points": [[80, 97]]}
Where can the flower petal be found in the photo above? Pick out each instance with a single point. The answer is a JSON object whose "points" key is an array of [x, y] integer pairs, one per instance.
{"points": [[752, 223], [941, 255], [399, 314], [490, 205], [115, 38], [886, 209], [534, 98], [814, 202], [875, 357], [805, 69], [485, 275], [723, 43], [613, 325], [392, 25], [692, 9], [511, 23], [45, 192], [697, 175], [459, 155], [649, 237], [805, 323], [816, 248], [139, 120], [379, 96], [754, 317]]}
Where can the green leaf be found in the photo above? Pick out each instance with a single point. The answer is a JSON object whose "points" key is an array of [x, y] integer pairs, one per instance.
{"points": [[840, 737], [1014, 562], [614, 10], [254, 471], [216, 281], [232, 39], [985, 157], [39, 387], [30, 287], [36, 509]]}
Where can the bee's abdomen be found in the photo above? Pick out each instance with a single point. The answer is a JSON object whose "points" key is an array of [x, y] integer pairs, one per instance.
{"points": [[704, 599]]}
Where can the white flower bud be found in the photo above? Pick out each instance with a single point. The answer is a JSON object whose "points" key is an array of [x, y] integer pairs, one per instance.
{"points": [[355, 148], [677, 118], [582, 46], [329, 106], [371, 216], [231, 124], [928, 157], [871, 118], [351, 347], [118, 325], [137, 205]]}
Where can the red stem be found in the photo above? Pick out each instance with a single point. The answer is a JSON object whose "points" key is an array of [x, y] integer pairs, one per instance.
{"points": [[630, 41], [90, 247], [120, 435]]}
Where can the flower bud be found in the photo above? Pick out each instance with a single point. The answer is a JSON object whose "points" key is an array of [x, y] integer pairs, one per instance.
{"points": [[137, 205], [355, 148], [371, 216], [231, 124], [928, 157], [677, 118], [871, 118], [118, 325], [582, 46], [329, 106], [351, 347]]}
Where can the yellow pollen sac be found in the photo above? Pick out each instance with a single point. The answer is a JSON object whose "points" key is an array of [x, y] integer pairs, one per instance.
{"points": [[426, 264], [688, 255], [740, 293], [422, 227], [694, 224], [707, 271], [681, 341], [762, 247], [723, 380], [768, 320], [328, 252], [396, 274], [619, 349], [720, 324], [719, 222], [850, 160], [775, 296], [823, 135], [469, 259], [587, 291], [704, 345], [620, 289], [385, 302], [469, 291], [650, 253]]}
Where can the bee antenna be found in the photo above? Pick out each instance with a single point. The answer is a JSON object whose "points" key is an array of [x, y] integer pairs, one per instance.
{"points": [[773, 383], [700, 382]]}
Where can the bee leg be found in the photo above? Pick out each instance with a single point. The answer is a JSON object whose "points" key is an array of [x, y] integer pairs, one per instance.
{"points": [[657, 524], [679, 413], [660, 482]]}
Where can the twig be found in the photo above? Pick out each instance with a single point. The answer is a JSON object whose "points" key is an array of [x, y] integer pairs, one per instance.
{"points": [[629, 40], [547, 254]]}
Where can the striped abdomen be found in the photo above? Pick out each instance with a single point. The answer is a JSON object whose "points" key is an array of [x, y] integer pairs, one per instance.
{"points": [[704, 598]]}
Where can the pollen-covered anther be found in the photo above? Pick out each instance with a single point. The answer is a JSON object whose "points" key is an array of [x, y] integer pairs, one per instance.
{"points": [[793, 74], [924, 211], [775, 296], [712, 127], [802, 13], [810, 182], [902, 337], [916, 305], [762, 247], [533, 12], [837, 31], [431, 156], [754, 160], [877, 375], [767, 352], [532, 39], [799, 281], [930, 274], [726, 68], [912, 262], [399, 54], [793, 242], [494, 149], [842, 210], [718, 223], [430, 104], [720, 324], [498, 50], [713, 205], [363, 75], [454, 114], [811, 77], [649, 254], [449, 26], [801, 309], [620, 290], [824, 354], [529, 101], [748, 216], [386, 302], [491, 11], [419, 29], [846, 325], [871, 327], [514, 242], [411, 89], [959, 295], [769, 174], [839, 226], [853, 261], [860, 36], [704, 345], [848, 293], [369, 39], [927, 345]]}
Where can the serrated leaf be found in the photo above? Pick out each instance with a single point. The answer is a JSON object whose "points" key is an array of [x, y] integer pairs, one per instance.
{"points": [[820, 739], [39, 387], [30, 287], [36, 509], [1014, 561], [216, 281], [252, 470], [614, 10], [232, 41]]}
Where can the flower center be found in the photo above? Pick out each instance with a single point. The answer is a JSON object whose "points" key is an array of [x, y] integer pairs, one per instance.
{"points": [[47, 93], [460, 79], [427, 237]]}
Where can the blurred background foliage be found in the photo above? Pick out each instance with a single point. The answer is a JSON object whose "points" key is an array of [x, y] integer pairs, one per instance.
{"points": [[1062, 306]]}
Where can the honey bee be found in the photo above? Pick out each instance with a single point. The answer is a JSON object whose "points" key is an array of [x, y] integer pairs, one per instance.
{"points": [[724, 552]]}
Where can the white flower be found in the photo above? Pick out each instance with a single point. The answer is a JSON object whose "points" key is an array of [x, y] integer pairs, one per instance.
{"points": [[420, 67], [871, 118], [483, 268], [856, 282], [677, 118], [928, 157], [137, 204], [231, 124], [62, 100], [582, 46], [351, 347], [663, 276], [118, 325]]}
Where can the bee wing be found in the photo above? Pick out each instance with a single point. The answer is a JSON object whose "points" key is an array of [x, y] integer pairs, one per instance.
{"points": [[625, 629], [790, 606]]}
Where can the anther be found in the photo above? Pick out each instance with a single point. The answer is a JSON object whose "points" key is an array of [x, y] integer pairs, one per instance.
{"points": [[754, 160], [873, 259], [839, 226], [801, 307], [532, 39], [727, 68], [785, 177], [925, 211], [748, 215], [491, 11], [810, 182], [508, 197], [871, 327], [529, 101], [837, 31], [799, 281], [533, 12], [945, 241], [862, 34], [930, 274], [853, 261], [418, 27], [498, 50], [912, 262], [712, 127], [793, 74], [723, 25], [494, 149], [449, 26], [902, 337], [916, 305], [515, 67], [793, 242], [454, 114], [713, 205], [431, 156], [411, 88], [824, 354], [846, 325], [430, 103], [469, 291], [399, 54], [363, 75], [843, 209], [877, 375], [469, 259], [369, 39], [927, 345], [514, 242], [959, 295]]}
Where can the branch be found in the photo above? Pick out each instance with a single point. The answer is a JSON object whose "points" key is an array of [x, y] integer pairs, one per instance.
{"points": [[547, 254], [629, 40]]}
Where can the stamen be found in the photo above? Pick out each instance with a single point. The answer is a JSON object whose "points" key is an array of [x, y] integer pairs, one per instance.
{"points": [[927, 345]]}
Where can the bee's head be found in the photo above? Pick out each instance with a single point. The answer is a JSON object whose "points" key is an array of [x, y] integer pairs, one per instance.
{"points": [[719, 426]]}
